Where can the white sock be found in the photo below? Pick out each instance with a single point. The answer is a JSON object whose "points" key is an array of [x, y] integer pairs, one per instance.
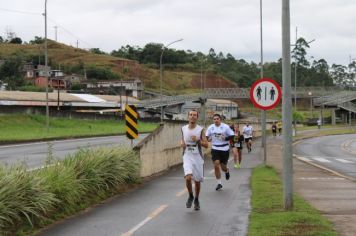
{"points": [[219, 181]]}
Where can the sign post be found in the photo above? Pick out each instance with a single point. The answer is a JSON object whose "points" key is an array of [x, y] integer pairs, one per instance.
{"points": [[131, 116], [265, 94]]}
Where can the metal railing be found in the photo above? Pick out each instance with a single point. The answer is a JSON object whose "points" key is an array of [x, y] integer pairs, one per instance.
{"points": [[235, 93], [349, 106], [335, 99]]}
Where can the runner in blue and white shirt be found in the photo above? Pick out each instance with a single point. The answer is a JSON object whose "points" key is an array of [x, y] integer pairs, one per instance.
{"points": [[219, 135]]}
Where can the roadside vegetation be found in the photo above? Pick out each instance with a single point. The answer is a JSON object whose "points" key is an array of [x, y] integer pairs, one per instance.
{"points": [[20, 127], [268, 216], [30, 200]]}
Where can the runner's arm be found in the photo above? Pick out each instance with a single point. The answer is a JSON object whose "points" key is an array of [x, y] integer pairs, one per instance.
{"points": [[203, 140], [182, 143]]}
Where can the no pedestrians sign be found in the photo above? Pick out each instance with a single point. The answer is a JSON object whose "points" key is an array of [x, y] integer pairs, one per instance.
{"points": [[265, 93]]}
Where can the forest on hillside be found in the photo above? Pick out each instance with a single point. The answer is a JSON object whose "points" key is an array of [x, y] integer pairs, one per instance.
{"points": [[309, 73]]}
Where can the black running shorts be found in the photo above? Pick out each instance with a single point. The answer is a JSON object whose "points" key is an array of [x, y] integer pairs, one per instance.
{"points": [[222, 156]]}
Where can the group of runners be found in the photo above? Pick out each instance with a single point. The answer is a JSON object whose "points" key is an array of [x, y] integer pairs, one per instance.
{"points": [[222, 137]]}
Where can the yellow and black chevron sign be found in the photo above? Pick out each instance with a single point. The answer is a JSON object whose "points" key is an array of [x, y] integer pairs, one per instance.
{"points": [[131, 116]]}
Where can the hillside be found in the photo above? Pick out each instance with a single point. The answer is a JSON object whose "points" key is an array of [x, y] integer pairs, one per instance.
{"points": [[62, 56]]}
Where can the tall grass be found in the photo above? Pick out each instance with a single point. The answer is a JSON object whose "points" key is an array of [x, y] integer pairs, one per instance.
{"points": [[22, 198], [61, 188]]}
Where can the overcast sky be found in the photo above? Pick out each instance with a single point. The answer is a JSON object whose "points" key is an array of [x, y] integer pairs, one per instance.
{"points": [[229, 26]]}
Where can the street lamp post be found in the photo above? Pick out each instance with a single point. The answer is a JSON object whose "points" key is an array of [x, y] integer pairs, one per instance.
{"points": [[46, 69], [295, 78], [161, 74], [311, 102]]}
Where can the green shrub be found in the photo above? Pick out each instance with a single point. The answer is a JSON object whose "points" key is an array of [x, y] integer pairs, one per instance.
{"points": [[22, 198], [62, 188]]}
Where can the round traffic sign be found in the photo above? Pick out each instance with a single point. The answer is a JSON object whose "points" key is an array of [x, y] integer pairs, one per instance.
{"points": [[265, 93]]}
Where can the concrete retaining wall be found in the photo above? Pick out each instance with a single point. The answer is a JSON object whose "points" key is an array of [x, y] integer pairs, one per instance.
{"points": [[161, 149]]}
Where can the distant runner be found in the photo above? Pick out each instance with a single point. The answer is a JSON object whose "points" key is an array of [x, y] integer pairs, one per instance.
{"points": [[236, 146], [319, 123], [279, 127], [192, 140], [274, 129], [247, 132], [219, 135]]}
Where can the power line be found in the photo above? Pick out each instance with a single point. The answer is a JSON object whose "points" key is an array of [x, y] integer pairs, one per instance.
{"points": [[69, 32], [22, 12], [38, 14]]}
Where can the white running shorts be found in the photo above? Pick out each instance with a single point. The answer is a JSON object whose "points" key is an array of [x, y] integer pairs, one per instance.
{"points": [[193, 164]]}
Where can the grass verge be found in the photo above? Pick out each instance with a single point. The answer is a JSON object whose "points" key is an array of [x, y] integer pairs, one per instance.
{"points": [[30, 200], [20, 127], [268, 216]]}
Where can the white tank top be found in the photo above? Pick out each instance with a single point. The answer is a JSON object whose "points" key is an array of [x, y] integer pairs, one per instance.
{"points": [[192, 147]]}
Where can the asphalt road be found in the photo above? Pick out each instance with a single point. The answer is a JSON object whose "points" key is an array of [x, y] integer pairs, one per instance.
{"points": [[336, 152], [158, 207], [35, 154]]}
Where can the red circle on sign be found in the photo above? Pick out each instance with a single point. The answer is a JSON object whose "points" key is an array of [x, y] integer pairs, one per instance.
{"points": [[257, 82]]}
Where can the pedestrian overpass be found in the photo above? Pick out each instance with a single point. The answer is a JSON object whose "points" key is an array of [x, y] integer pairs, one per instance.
{"points": [[228, 93], [342, 102]]}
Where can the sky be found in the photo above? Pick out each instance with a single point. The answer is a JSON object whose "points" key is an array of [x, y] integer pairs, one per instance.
{"points": [[227, 26]]}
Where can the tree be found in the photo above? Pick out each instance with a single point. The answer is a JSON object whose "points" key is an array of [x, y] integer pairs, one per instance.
{"points": [[96, 51], [128, 52], [352, 73], [10, 73], [319, 74], [299, 52], [1, 40], [339, 74], [16, 40], [151, 53], [37, 40]]}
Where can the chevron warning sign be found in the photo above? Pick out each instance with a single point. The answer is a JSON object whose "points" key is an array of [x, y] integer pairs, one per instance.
{"points": [[131, 116]]}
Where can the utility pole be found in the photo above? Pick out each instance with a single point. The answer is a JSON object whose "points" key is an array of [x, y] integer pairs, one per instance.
{"points": [[263, 112], [286, 108], [46, 68], [295, 82], [55, 32], [77, 43]]}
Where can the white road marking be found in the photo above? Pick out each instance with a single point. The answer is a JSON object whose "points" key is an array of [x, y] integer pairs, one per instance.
{"points": [[320, 159], [321, 178], [344, 161], [148, 218]]}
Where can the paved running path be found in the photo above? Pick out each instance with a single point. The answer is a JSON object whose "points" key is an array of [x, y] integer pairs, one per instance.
{"points": [[158, 207]]}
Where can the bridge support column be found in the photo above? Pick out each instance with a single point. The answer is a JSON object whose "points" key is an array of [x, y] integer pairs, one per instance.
{"points": [[333, 117], [343, 117]]}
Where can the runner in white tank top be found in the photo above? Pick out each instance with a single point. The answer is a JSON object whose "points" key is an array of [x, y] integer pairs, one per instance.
{"points": [[193, 163]]}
